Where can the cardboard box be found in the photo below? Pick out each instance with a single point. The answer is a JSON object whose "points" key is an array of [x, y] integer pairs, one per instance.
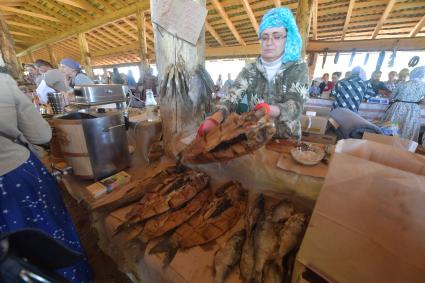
{"points": [[106, 185], [317, 120], [368, 224], [397, 142], [317, 138]]}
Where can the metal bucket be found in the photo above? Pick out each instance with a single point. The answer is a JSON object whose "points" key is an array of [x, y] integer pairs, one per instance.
{"points": [[56, 101]]}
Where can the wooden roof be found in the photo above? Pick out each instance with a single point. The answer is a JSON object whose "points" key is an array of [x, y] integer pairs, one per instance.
{"points": [[111, 28]]}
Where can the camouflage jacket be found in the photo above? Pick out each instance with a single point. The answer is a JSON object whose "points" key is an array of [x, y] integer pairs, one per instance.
{"points": [[288, 90]]}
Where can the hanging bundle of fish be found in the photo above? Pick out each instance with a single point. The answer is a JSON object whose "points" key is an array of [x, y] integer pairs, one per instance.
{"points": [[167, 194], [269, 236], [236, 136], [223, 211], [185, 98]]}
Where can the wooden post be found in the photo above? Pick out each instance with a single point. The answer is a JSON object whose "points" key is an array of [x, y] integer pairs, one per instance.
{"points": [[168, 50], [304, 13], [312, 59], [52, 56], [31, 56], [8, 52], [85, 54], [143, 46]]}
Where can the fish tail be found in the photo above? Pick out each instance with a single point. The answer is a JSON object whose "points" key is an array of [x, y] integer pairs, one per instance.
{"points": [[168, 247], [142, 246]]}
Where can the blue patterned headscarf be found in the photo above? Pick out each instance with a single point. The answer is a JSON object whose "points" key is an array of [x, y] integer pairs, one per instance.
{"points": [[418, 73], [358, 71], [283, 18]]}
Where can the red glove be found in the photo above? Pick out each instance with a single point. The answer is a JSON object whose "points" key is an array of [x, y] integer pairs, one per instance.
{"points": [[263, 105], [207, 126]]}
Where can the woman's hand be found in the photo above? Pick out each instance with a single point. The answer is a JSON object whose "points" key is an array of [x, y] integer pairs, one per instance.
{"points": [[272, 110]]}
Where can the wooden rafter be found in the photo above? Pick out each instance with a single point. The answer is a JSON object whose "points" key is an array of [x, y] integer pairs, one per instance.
{"points": [[314, 18], [21, 33], [99, 38], [82, 5], [18, 24], [417, 27], [277, 3], [212, 31], [348, 18], [229, 23], [113, 39], [28, 13], [130, 34], [116, 34], [251, 15], [384, 16], [38, 8]]}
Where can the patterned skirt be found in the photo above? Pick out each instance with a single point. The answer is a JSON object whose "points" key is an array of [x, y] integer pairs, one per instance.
{"points": [[30, 197]]}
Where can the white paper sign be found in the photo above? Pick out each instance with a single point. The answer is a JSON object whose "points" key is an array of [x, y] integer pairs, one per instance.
{"points": [[184, 18]]}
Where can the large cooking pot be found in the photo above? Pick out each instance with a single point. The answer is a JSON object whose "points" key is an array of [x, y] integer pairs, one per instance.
{"points": [[94, 144]]}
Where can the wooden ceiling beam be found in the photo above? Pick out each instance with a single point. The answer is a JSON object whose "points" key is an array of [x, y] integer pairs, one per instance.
{"points": [[18, 24], [133, 36], [20, 34], [314, 19], [28, 13], [229, 23], [107, 44], [384, 16], [37, 7], [212, 31], [109, 37], [133, 26], [81, 5], [251, 15], [277, 3], [116, 34], [348, 18], [417, 27], [95, 22]]}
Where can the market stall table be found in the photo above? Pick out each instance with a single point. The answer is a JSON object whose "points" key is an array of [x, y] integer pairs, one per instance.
{"points": [[258, 172]]}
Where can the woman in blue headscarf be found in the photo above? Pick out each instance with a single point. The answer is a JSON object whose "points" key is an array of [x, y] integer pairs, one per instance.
{"points": [[277, 81], [404, 108]]}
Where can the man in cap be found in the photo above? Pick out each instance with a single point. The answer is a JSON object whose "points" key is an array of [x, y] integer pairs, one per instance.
{"points": [[73, 74], [276, 82]]}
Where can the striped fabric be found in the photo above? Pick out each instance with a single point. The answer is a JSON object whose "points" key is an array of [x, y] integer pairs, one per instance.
{"points": [[349, 93]]}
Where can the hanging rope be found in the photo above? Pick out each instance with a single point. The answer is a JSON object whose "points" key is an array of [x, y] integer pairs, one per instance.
{"points": [[325, 54], [353, 54], [380, 60], [366, 59]]}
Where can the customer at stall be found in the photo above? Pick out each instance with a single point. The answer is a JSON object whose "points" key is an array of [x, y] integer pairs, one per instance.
{"points": [[347, 75], [149, 81], [73, 73], [404, 108], [30, 196], [391, 84], [116, 77], [378, 87], [349, 93], [403, 75], [276, 82], [32, 75], [314, 90], [51, 80], [131, 82], [326, 85]]}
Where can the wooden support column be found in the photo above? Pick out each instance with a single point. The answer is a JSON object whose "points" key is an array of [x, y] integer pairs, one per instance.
{"points": [[31, 56], [52, 56], [304, 13], [168, 49], [142, 43], [312, 60], [85, 54], [8, 52]]}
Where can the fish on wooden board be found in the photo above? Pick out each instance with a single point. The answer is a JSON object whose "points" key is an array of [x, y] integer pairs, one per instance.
{"points": [[290, 234], [212, 221], [282, 211], [227, 257]]}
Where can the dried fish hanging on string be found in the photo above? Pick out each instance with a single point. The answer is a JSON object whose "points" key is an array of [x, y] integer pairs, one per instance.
{"points": [[236, 136], [200, 92]]}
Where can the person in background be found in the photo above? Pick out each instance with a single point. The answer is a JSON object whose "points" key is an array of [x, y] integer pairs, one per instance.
{"points": [[149, 81], [403, 75], [347, 75], [73, 73], [276, 83], [116, 77], [314, 90], [325, 85], [32, 74], [378, 87], [350, 92], [130, 80], [391, 84], [335, 78], [52, 80], [405, 109], [226, 86], [30, 196], [219, 82]]}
